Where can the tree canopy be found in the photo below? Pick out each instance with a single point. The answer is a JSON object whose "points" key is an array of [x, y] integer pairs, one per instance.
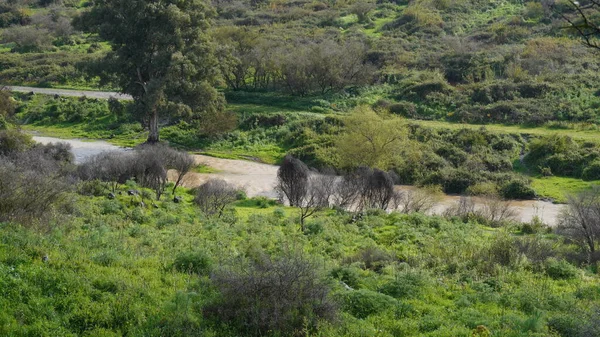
{"points": [[161, 55]]}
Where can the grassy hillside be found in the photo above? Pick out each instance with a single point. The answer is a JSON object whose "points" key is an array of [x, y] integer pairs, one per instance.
{"points": [[109, 268]]}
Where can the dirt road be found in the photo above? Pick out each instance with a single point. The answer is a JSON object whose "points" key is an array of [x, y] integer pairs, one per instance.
{"points": [[71, 93]]}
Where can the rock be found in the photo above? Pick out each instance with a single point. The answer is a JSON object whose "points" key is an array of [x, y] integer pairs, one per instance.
{"points": [[111, 196], [45, 258], [154, 205], [142, 204], [133, 192], [177, 199], [347, 287]]}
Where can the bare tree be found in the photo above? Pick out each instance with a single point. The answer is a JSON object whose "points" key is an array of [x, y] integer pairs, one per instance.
{"points": [[213, 196], [496, 210], [378, 191], [182, 162], [348, 191], [419, 200], [319, 191], [33, 182], [581, 219], [292, 181], [463, 208], [583, 19]]}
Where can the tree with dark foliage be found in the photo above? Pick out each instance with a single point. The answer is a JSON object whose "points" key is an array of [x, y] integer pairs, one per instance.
{"points": [[292, 180], [161, 55]]}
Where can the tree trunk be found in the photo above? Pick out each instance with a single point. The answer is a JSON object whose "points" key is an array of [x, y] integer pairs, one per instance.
{"points": [[153, 136]]}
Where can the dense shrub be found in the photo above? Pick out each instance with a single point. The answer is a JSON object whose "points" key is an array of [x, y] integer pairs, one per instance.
{"points": [[560, 269], [363, 303], [272, 295], [196, 262]]}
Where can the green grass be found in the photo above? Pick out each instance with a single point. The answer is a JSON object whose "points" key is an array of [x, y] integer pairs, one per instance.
{"points": [[205, 169], [78, 131], [576, 131], [559, 188], [111, 271]]}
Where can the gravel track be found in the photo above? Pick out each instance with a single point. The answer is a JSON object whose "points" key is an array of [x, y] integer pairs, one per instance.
{"points": [[71, 93]]}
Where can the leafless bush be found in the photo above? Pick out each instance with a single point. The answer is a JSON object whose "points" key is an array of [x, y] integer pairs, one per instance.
{"points": [[55, 22], [27, 194], [150, 169], [213, 196], [419, 200], [180, 161], [147, 164], [113, 168], [378, 191], [581, 219], [14, 141], [463, 208], [27, 38], [348, 191], [496, 211], [372, 258], [365, 188], [281, 296], [536, 248]]}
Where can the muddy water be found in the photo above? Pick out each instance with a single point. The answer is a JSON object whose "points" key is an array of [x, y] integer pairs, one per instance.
{"points": [[259, 180]]}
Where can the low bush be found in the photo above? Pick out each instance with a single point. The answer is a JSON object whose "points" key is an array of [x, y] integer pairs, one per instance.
{"points": [[193, 262], [363, 303]]}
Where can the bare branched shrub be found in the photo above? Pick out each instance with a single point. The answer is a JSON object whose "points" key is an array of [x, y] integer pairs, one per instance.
{"points": [[113, 168], [14, 141], [379, 190], [147, 164], [318, 195], [182, 162], [581, 219], [33, 182], [292, 181], [272, 296], [348, 191], [27, 38], [419, 200], [213, 196], [496, 211], [371, 257], [150, 169], [365, 188], [463, 208]]}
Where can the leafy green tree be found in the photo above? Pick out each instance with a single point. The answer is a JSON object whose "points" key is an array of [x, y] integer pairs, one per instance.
{"points": [[161, 55], [371, 140]]}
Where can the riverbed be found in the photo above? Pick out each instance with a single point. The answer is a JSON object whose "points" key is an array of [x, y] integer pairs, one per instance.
{"points": [[259, 179]]}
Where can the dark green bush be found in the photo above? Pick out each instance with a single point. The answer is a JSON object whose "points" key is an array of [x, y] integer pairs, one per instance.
{"points": [[560, 269], [363, 303], [517, 188], [349, 275], [407, 284], [592, 171], [196, 262]]}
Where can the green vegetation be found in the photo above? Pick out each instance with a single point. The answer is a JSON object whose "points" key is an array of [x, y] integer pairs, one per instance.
{"points": [[116, 269], [485, 98]]}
